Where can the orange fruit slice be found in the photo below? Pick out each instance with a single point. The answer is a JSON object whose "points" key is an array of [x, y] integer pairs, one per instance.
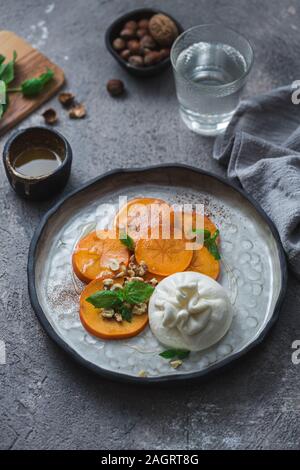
{"points": [[139, 214], [94, 255], [203, 262], [163, 256], [107, 328]]}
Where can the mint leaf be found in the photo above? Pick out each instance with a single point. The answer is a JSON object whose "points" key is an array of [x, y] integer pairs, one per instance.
{"points": [[34, 86], [172, 353], [212, 246], [7, 71], [127, 241], [137, 292], [125, 312], [104, 299], [2, 58], [205, 232]]}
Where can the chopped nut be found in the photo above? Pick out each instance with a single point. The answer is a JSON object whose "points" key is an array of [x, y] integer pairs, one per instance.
{"points": [[137, 278], [108, 282], [108, 313], [66, 98], [132, 259], [77, 112], [142, 269], [130, 273], [153, 282], [114, 265], [175, 364], [50, 116], [118, 317], [120, 274], [140, 309], [142, 373], [116, 286]]}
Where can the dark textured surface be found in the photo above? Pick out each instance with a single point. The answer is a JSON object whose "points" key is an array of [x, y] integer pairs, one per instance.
{"points": [[46, 400]]}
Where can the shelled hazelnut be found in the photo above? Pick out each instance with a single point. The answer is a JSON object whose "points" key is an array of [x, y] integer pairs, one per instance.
{"points": [[134, 46], [146, 42], [115, 87], [152, 57], [144, 23], [119, 44], [127, 34], [125, 54], [136, 60]]}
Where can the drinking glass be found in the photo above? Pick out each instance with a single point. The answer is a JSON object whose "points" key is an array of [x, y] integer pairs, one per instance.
{"points": [[211, 64]]}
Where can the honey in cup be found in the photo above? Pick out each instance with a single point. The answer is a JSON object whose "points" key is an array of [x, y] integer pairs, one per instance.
{"points": [[37, 161]]}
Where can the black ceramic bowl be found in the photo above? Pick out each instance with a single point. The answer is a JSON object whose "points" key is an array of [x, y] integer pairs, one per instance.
{"points": [[114, 30], [37, 187]]}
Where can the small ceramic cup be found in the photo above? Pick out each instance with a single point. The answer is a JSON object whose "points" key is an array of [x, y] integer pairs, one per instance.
{"points": [[37, 187]]}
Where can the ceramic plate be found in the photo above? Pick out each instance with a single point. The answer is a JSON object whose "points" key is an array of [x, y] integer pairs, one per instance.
{"points": [[253, 271]]}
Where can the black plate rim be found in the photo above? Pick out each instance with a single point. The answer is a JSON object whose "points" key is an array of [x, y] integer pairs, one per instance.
{"points": [[166, 379]]}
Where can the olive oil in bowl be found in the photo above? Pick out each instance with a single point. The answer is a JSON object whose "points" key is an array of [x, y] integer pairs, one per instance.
{"points": [[36, 162]]}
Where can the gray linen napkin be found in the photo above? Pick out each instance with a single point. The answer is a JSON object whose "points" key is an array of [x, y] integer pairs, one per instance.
{"points": [[261, 149]]}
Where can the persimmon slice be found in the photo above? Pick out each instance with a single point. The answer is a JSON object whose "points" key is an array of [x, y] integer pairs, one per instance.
{"points": [[95, 252], [139, 214], [189, 220], [163, 256], [106, 328], [203, 262]]}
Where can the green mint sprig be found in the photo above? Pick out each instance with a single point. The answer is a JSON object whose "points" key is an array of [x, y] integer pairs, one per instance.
{"points": [[210, 242], [29, 88], [134, 292], [127, 241], [34, 86], [175, 354]]}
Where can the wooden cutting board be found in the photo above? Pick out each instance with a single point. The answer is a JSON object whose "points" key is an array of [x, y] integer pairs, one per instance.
{"points": [[30, 63]]}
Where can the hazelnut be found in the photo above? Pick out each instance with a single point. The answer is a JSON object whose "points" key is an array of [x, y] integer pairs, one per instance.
{"points": [[143, 24], [152, 58], [125, 54], [141, 32], [163, 29], [164, 53], [119, 44], [134, 46], [131, 25], [136, 60], [115, 88], [148, 42], [127, 34]]}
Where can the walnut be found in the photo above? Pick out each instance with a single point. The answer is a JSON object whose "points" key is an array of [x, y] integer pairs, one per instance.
{"points": [[175, 364], [108, 313], [163, 29], [139, 309]]}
